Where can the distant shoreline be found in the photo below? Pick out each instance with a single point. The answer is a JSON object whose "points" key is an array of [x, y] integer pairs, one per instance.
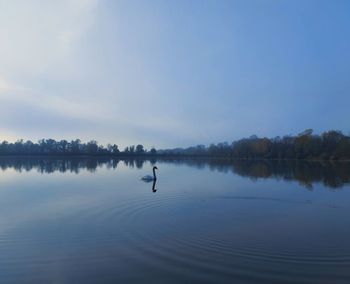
{"points": [[331, 145], [162, 157]]}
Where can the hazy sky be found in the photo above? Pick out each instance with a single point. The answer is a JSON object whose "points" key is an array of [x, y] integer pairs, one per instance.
{"points": [[172, 73]]}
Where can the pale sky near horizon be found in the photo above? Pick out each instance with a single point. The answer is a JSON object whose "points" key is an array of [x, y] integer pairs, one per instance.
{"points": [[172, 73]]}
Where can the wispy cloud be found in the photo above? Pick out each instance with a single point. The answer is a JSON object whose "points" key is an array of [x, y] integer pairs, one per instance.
{"points": [[156, 73]]}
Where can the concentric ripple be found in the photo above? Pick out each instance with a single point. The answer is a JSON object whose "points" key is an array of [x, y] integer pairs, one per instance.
{"points": [[179, 236]]}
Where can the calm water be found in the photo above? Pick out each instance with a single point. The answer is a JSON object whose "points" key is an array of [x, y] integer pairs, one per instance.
{"points": [[95, 221]]}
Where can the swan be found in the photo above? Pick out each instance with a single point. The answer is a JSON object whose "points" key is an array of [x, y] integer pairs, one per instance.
{"points": [[149, 178]]}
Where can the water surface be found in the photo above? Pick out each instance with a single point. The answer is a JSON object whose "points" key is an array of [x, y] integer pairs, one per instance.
{"points": [[95, 221]]}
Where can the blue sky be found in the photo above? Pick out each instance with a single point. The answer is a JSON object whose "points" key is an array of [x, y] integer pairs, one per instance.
{"points": [[172, 73]]}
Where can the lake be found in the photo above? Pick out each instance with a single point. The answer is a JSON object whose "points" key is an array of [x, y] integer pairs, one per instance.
{"points": [[204, 221]]}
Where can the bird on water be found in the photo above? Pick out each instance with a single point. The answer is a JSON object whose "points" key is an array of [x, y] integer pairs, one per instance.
{"points": [[149, 178]]}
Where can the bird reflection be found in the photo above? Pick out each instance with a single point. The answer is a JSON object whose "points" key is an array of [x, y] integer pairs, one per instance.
{"points": [[332, 175], [154, 186]]}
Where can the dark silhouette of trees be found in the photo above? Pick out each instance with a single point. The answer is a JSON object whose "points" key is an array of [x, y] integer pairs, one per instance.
{"points": [[139, 149], [52, 147], [113, 148], [330, 145], [92, 147], [153, 151]]}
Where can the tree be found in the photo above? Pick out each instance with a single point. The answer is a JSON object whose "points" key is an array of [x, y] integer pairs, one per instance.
{"points": [[139, 149], [75, 146], [112, 148], [92, 147]]}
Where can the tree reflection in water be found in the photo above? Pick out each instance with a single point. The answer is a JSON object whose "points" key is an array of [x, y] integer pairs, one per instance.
{"points": [[333, 175]]}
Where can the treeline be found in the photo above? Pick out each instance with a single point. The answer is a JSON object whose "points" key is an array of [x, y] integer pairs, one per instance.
{"points": [[330, 145], [74, 148]]}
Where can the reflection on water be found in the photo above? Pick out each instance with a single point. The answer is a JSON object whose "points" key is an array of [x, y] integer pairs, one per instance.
{"points": [[211, 221], [154, 186], [332, 174]]}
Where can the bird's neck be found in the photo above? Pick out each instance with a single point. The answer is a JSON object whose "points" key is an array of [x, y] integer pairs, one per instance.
{"points": [[154, 174]]}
